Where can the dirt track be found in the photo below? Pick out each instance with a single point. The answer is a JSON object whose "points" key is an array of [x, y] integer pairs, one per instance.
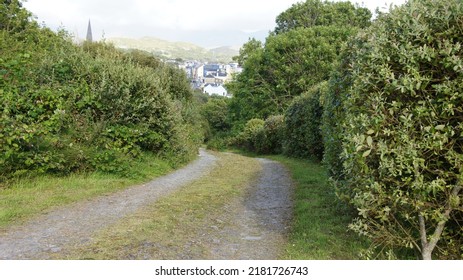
{"points": [[256, 225], [261, 219]]}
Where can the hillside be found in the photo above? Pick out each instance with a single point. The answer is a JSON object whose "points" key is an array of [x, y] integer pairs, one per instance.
{"points": [[173, 50]]}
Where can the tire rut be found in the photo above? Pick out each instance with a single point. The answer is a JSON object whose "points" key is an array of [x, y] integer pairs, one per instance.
{"points": [[260, 220]]}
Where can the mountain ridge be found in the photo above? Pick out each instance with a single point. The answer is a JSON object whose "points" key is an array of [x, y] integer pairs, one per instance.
{"points": [[176, 50]]}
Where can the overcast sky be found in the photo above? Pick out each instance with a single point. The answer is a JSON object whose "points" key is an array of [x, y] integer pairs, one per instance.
{"points": [[208, 23]]}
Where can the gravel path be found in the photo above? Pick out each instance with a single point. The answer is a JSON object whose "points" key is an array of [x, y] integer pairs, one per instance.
{"points": [[253, 226], [257, 224], [76, 224]]}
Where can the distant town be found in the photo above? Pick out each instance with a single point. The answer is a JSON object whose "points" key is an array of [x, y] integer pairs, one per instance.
{"points": [[210, 78]]}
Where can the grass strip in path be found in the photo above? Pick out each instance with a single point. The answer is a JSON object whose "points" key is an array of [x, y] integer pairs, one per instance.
{"points": [[165, 229]]}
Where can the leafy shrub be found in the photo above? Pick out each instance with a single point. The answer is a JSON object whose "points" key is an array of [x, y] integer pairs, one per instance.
{"points": [[333, 101], [220, 141], [215, 111], [402, 142], [311, 13], [110, 161], [270, 139], [250, 135], [302, 121], [59, 103]]}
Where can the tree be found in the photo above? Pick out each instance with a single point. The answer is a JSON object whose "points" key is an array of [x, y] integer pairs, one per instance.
{"points": [[317, 13], [247, 50], [13, 17], [215, 111], [402, 138], [297, 56], [288, 65]]}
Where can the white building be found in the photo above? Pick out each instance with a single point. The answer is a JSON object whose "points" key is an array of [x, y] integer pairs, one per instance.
{"points": [[216, 90]]}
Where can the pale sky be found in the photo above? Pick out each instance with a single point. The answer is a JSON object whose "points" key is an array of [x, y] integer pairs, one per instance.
{"points": [[208, 23]]}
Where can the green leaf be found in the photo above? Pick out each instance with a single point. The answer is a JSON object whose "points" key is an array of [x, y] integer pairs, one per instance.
{"points": [[440, 127], [366, 153], [369, 141]]}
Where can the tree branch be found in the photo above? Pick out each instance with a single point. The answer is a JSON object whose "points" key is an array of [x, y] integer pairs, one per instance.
{"points": [[428, 246], [423, 236]]}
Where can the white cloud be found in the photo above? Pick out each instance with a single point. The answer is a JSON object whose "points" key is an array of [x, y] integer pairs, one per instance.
{"points": [[168, 18], [168, 14]]}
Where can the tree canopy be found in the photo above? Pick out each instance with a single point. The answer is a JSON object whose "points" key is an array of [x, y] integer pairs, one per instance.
{"points": [[293, 59], [322, 13]]}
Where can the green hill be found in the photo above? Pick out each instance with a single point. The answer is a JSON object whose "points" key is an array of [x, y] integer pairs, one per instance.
{"points": [[174, 50]]}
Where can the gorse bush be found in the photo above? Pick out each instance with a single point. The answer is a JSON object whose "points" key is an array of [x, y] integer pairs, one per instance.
{"points": [[66, 108], [402, 138]]}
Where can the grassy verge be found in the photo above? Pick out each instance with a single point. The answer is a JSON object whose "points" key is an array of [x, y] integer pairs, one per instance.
{"points": [[320, 226], [25, 198], [172, 227]]}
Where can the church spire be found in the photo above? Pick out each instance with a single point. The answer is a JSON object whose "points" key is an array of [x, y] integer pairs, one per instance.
{"points": [[89, 32]]}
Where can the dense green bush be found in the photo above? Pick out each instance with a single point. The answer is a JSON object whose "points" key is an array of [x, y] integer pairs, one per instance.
{"points": [[287, 66], [66, 108], [300, 53], [250, 135], [402, 142], [216, 119], [302, 122], [333, 101], [270, 139], [215, 111]]}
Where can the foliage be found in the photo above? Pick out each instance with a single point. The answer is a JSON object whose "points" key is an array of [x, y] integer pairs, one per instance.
{"points": [[288, 65], [322, 13], [402, 142], [215, 111], [67, 108], [250, 135], [13, 18], [302, 122], [248, 50], [270, 139], [333, 101]]}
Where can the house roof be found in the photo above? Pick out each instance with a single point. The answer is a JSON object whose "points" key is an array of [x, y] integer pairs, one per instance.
{"points": [[211, 67], [211, 89]]}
